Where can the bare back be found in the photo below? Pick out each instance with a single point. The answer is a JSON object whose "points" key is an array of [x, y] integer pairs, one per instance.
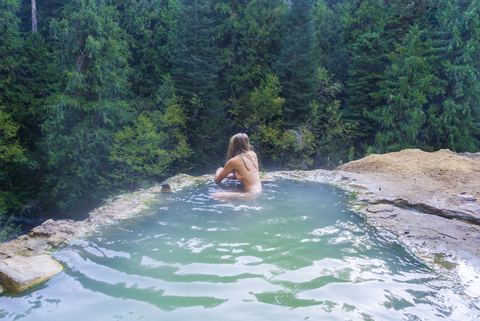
{"points": [[245, 169]]}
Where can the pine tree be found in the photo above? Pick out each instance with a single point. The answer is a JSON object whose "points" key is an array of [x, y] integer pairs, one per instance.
{"points": [[250, 38], [92, 59], [455, 117], [295, 66], [329, 40], [27, 80], [152, 29], [11, 154], [367, 49], [195, 72], [409, 88], [154, 143]]}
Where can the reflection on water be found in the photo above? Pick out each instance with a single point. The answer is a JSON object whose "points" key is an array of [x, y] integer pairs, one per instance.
{"points": [[294, 253]]}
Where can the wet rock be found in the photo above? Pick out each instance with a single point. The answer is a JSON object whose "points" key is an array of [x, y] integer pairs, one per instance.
{"points": [[62, 228], [56, 233], [166, 188], [428, 234], [19, 273], [183, 180], [49, 235], [118, 210]]}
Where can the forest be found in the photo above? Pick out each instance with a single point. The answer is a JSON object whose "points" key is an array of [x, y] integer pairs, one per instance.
{"points": [[99, 97]]}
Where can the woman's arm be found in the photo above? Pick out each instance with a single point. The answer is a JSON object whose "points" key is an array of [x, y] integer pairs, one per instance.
{"points": [[223, 172]]}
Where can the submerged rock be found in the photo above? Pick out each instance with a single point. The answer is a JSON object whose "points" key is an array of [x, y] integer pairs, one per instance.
{"points": [[19, 273]]}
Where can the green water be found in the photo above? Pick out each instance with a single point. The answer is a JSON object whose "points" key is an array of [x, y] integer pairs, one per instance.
{"points": [[294, 253]]}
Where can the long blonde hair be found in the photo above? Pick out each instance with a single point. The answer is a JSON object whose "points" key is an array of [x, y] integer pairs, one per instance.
{"points": [[239, 145]]}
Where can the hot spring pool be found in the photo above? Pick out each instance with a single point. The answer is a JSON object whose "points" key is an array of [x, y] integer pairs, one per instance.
{"points": [[294, 253]]}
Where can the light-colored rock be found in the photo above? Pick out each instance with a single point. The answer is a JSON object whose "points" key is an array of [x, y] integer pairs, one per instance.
{"points": [[63, 231], [19, 273], [441, 183], [428, 201], [468, 198], [49, 235], [118, 210]]}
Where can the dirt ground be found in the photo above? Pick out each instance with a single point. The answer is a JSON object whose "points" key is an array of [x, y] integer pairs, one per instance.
{"points": [[441, 171]]}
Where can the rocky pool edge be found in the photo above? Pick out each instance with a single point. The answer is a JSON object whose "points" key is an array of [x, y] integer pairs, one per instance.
{"points": [[445, 238]]}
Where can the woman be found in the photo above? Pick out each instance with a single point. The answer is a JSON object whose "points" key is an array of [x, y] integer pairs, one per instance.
{"points": [[242, 164]]}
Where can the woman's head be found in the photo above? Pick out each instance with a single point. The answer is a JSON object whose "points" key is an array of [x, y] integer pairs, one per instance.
{"points": [[239, 143]]}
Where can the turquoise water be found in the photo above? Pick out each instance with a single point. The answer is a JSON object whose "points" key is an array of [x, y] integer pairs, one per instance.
{"points": [[294, 253]]}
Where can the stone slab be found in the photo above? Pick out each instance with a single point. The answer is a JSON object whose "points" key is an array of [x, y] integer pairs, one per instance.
{"points": [[19, 273]]}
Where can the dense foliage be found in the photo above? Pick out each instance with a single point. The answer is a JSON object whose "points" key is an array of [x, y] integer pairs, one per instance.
{"points": [[114, 95]]}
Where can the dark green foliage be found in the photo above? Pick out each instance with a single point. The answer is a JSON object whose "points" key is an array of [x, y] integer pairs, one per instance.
{"points": [[409, 87], [455, 118], [12, 154], [296, 64], [195, 72], [92, 60], [429, 96], [155, 141], [332, 136], [328, 28], [262, 117], [367, 48], [152, 29], [250, 38], [9, 229], [26, 74]]}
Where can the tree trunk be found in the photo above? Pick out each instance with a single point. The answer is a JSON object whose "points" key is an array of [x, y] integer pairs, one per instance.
{"points": [[34, 16]]}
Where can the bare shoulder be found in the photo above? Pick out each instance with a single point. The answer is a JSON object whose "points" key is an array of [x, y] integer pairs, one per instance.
{"points": [[233, 163], [253, 154]]}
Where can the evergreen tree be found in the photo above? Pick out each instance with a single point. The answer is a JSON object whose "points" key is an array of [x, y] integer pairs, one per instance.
{"points": [[152, 28], [27, 80], [196, 74], [262, 117], [332, 135], [455, 117], [329, 40], [150, 148], [92, 55], [295, 66], [367, 49], [410, 86], [250, 39], [11, 154]]}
